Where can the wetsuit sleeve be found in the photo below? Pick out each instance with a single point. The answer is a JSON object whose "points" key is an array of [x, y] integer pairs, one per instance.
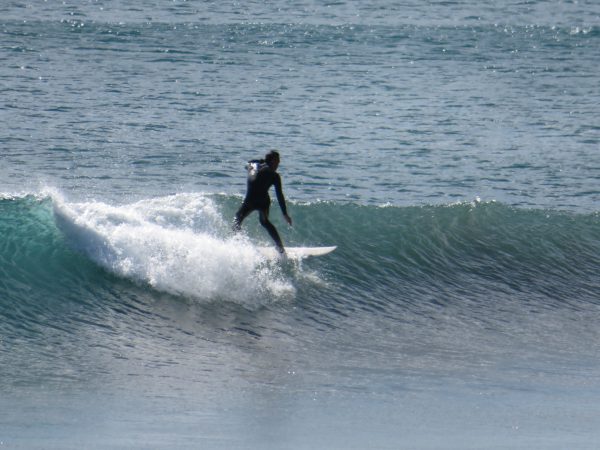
{"points": [[279, 193]]}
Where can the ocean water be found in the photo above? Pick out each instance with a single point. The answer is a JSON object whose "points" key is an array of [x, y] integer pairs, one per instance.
{"points": [[451, 150]]}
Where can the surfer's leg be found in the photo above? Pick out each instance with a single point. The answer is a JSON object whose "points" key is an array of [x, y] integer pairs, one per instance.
{"points": [[242, 213], [264, 221]]}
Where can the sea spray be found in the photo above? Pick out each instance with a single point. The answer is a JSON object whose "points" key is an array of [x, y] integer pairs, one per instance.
{"points": [[175, 244]]}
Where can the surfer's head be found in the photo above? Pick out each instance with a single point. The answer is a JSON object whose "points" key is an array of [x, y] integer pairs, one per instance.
{"points": [[272, 159]]}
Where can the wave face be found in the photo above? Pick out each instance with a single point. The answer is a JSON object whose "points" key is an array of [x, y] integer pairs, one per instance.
{"points": [[473, 250], [392, 258]]}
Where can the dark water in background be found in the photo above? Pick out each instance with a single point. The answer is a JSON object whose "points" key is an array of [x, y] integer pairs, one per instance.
{"points": [[449, 149], [113, 100]]}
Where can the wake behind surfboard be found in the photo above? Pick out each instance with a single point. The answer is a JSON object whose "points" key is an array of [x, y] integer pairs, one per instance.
{"points": [[296, 252]]}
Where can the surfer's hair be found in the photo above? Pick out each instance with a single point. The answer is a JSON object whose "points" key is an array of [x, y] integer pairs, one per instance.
{"points": [[271, 156]]}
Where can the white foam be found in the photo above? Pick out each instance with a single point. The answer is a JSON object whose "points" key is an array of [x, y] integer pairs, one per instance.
{"points": [[176, 244]]}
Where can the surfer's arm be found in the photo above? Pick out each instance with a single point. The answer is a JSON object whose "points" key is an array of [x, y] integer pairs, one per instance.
{"points": [[281, 198]]}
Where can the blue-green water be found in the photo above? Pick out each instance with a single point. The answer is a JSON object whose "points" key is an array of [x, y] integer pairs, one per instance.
{"points": [[449, 149]]}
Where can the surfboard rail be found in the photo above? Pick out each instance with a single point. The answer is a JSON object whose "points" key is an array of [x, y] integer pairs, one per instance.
{"points": [[296, 252]]}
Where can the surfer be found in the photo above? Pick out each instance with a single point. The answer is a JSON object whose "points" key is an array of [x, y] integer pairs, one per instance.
{"points": [[262, 174]]}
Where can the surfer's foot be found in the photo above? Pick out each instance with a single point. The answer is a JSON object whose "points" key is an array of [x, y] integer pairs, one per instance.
{"points": [[282, 253]]}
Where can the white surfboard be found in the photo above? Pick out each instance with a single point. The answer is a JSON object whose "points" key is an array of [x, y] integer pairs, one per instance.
{"points": [[296, 252]]}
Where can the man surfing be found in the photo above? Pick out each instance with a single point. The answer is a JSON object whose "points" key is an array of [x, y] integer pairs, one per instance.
{"points": [[262, 174]]}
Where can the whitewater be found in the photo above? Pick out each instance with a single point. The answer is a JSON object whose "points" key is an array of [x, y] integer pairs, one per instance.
{"points": [[450, 150]]}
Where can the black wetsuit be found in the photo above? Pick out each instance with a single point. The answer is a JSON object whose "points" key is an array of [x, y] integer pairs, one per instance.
{"points": [[260, 179]]}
